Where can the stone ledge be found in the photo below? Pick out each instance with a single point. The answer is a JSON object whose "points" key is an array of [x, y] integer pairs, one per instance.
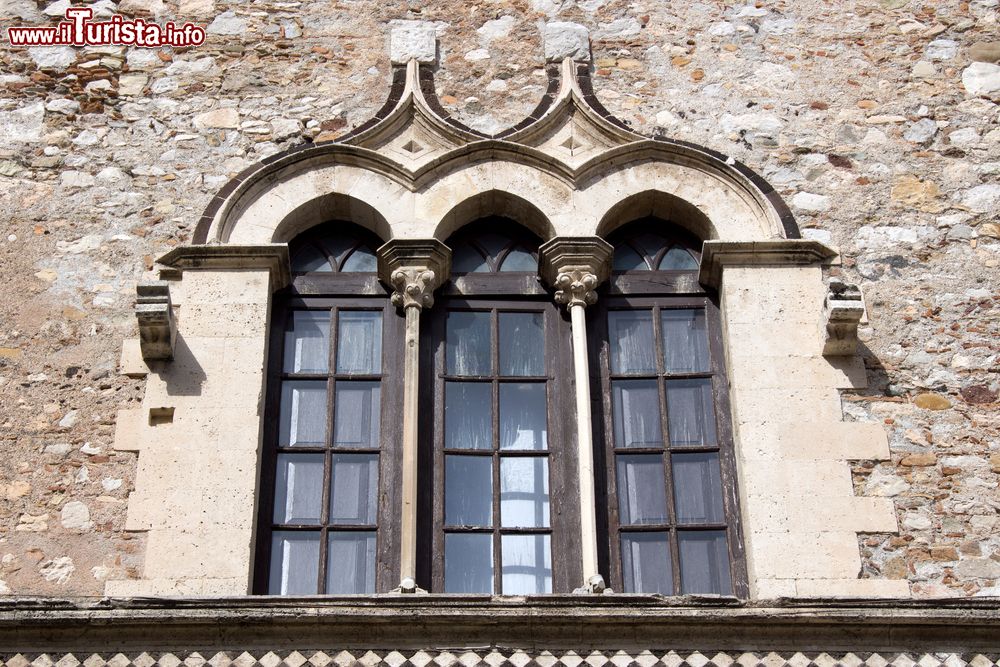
{"points": [[792, 252], [273, 257], [573, 621]]}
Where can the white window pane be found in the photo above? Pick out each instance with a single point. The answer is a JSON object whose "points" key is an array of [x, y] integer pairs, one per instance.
{"points": [[636, 413], [691, 413], [468, 491], [522, 344], [527, 564], [356, 414], [524, 492], [468, 415], [468, 563], [646, 563], [354, 489], [350, 563], [468, 343], [685, 340], [704, 558], [630, 335], [359, 342], [298, 493], [642, 493], [294, 563], [697, 488], [523, 416], [303, 414], [307, 342]]}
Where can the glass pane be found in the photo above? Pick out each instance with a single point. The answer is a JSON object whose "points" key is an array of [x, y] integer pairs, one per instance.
{"points": [[527, 564], [468, 415], [359, 341], [337, 246], [642, 493], [492, 243], [354, 489], [298, 492], [522, 344], [685, 340], [310, 259], [361, 260], [630, 335], [690, 412], [468, 491], [650, 243], [303, 414], [357, 414], [636, 408], [627, 259], [350, 563], [519, 259], [646, 563], [294, 563], [704, 558], [697, 488], [468, 563], [523, 416], [468, 343], [307, 342], [524, 492], [466, 259], [678, 259]]}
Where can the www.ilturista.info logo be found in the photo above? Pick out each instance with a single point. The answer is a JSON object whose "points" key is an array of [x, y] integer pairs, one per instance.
{"points": [[79, 30]]}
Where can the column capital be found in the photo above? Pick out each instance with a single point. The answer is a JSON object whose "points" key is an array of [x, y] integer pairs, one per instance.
{"points": [[414, 268], [575, 266]]}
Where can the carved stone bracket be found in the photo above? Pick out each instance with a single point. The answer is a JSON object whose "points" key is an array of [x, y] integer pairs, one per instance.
{"points": [[844, 309], [414, 269], [157, 327], [575, 266]]}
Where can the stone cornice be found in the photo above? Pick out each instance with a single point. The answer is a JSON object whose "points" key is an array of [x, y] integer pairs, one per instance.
{"points": [[273, 257], [786, 252], [414, 268], [575, 266], [578, 622]]}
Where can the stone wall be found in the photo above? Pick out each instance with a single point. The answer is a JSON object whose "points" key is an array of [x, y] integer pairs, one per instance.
{"points": [[870, 118]]}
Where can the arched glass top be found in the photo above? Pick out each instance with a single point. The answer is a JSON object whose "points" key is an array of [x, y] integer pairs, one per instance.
{"points": [[651, 245], [493, 245], [334, 248]]}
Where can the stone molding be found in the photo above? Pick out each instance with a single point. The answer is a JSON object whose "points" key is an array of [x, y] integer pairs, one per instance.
{"points": [[609, 623], [575, 267], [157, 326], [273, 257], [715, 255], [414, 269]]}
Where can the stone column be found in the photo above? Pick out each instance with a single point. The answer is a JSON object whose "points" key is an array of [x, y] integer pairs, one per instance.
{"points": [[575, 266], [414, 269]]}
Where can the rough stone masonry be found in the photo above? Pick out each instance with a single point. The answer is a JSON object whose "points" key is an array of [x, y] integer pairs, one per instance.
{"points": [[877, 120]]}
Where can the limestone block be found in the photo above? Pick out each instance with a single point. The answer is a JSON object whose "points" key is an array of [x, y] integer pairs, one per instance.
{"points": [[769, 589], [227, 287], [775, 307], [756, 407], [825, 479], [815, 440], [413, 40], [218, 553], [563, 39], [865, 588], [775, 371], [128, 429], [131, 363], [823, 555], [745, 339], [809, 513], [196, 587], [211, 320]]}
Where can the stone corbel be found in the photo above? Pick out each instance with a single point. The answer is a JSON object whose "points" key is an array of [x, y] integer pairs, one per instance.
{"points": [[843, 311], [157, 327]]}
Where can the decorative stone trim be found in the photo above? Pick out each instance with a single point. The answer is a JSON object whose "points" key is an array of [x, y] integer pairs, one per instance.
{"points": [[414, 269], [273, 257], [575, 266], [157, 327], [844, 309], [787, 252]]}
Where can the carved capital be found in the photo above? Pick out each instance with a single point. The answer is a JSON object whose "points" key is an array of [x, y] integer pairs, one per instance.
{"points": [[575, 266], [414, 269]]}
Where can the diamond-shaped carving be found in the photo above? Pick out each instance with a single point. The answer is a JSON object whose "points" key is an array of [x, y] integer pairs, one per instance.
{"points": [[421, 658], [572, 143], [722, 660], [294, 659], [68, 660], [42, 661], [142, 660], [220, 659], [494, 658], [195, 660], [169, 660], [93, 661], [20, 661], [320, 659], [245, 660]]}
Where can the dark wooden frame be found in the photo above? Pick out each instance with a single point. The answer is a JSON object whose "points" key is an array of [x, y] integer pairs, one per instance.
{"points": [[656, 291], [340, 292]]}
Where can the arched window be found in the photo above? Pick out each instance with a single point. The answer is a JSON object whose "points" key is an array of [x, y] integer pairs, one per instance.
{"points": [[326, 522], [499, 449], [671, 501]]}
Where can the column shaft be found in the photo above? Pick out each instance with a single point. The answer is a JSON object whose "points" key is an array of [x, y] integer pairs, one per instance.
{"points": [[585, 439]]}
